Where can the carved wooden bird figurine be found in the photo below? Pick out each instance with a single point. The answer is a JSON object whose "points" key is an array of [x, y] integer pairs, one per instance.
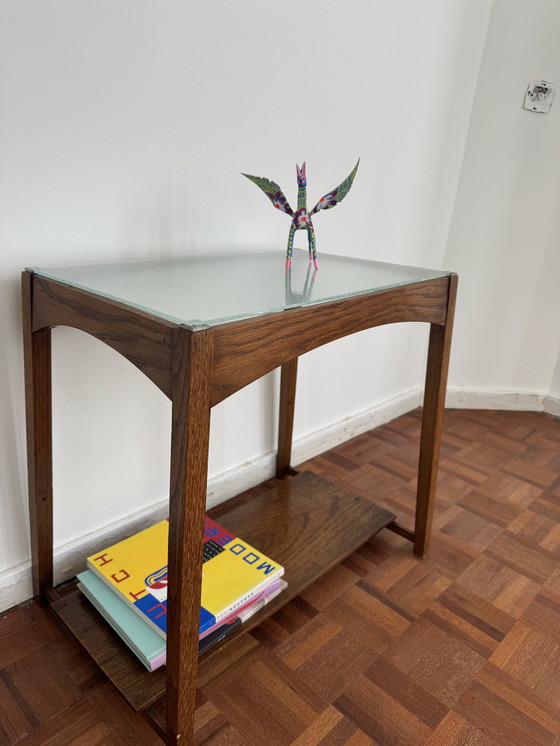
{"points": [[301, 218]]}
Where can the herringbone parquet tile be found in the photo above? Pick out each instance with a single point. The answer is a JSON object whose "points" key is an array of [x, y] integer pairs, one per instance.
{"points": [[460, 648]]}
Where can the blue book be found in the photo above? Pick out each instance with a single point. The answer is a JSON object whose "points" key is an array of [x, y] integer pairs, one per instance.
{"points": [[145, 642]]}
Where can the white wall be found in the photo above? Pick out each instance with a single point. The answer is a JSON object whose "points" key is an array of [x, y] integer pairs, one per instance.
{"points": [[505, 234], [124, 130], [555, 384], [553, 398]]}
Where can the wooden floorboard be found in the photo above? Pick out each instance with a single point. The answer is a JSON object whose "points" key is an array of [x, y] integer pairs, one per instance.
{"points": [[460, 648]]}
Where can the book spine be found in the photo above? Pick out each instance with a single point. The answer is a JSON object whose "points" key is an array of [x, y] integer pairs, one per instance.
{"points": [[253, 594], [251, 610]]}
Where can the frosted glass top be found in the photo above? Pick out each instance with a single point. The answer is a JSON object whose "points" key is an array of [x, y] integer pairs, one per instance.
{"points": [[218, 288]]}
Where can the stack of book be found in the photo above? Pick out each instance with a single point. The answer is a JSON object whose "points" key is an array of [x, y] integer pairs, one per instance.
{"points": [[127, 584]]}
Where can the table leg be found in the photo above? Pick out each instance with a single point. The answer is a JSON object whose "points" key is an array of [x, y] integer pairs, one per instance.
{"points": [[192, 375], [38, 404], [288, 382], [432, 418]]}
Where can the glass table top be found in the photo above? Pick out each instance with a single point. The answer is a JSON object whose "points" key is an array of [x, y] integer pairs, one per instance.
{"points": [[214, 289]]}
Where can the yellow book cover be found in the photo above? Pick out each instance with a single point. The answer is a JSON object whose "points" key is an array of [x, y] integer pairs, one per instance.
{"points": [[233, 573]]}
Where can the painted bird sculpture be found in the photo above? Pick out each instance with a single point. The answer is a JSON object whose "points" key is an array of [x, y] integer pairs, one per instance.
{"points": [[301, 218]]}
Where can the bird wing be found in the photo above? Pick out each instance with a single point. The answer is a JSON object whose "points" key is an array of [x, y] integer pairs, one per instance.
{"points": [[273, 192], [337, 195]]}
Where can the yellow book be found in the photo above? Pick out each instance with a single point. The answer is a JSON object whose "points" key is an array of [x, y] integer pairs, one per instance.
{"points": [[233, 573]]}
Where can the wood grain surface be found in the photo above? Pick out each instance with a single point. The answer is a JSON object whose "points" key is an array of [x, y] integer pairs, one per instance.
{"points": [[146, 341], [459, 648], [306, 524], [38, 407], [279, 337], [197, 368]]}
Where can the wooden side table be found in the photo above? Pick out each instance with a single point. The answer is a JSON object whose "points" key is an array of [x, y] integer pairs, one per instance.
{"points": [[201, 329]]}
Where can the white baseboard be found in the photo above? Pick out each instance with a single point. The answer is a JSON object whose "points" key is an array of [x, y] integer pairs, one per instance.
{"points": [[15, 582], [552, 405], [350, 427], [505, 400], [254, 472], [15, 586]]}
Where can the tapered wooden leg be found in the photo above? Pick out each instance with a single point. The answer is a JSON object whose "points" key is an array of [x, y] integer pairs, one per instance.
{"points": [[432, 418], [288, 382], [192, 375], [38, 398]]}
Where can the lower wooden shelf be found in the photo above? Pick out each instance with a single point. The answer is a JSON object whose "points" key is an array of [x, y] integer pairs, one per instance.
{"points": [[305, 523]]}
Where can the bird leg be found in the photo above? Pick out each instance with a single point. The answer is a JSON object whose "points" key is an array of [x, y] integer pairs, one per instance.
{"points": [[290, 249], [312, 247]]}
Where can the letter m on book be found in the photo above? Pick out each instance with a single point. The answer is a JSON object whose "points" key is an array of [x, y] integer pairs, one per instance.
{"points": [[266, 567]]}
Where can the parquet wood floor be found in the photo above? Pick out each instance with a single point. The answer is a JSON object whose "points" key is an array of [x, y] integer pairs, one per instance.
{"points": [[460, 648]]}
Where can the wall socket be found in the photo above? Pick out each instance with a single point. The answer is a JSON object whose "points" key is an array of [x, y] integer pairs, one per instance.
{"points": [[539, 96]]}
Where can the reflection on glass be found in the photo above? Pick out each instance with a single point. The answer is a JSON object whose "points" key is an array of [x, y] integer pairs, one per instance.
{"points": [[294, 298]]}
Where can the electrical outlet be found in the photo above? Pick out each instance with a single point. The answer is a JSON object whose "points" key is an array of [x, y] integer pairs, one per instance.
{"points": [[539, 96]]}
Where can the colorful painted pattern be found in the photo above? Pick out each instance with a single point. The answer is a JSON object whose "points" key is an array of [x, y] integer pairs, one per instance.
{"points": [[301, 219]]}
